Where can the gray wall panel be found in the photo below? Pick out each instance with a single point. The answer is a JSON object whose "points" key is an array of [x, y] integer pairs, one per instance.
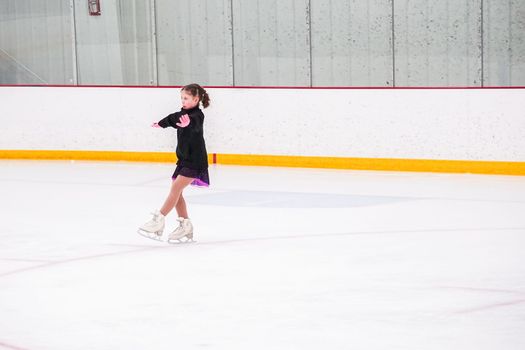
{"points": [[194, 42], [35, 42], [136, 38], [504, 42], [352, 43], [437, 43], [98, 45], [115, 48], [271, 42]]}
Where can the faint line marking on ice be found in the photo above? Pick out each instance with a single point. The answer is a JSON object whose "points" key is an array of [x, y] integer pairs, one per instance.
{"points": [[488, 290], [9, 346], [339, 235], [28, 260], [490, 306], [88, 257], [357, 233], [146, 248]]}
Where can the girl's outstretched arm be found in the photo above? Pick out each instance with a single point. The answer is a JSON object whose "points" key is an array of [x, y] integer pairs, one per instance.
{"points": [[170, 120]]}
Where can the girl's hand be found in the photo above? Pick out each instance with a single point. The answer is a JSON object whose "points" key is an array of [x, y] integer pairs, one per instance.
{"points": [[155, 125], [184, 121]]}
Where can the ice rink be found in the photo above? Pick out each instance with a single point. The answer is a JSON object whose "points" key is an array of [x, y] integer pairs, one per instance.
{"points": [[285, 259]]}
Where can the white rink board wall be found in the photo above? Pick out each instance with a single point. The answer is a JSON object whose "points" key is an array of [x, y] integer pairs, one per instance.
{"points": [[441, 124]]}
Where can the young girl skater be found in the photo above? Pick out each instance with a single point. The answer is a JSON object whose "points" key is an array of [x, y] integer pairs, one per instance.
{"points": [[192, 164]]}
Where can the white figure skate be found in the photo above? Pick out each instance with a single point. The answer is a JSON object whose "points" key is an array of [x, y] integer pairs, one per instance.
{"points": [[185, 230], [154, 228]]}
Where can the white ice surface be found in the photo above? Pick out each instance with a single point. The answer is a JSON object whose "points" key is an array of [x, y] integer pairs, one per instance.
{"points": [[284, 259]]}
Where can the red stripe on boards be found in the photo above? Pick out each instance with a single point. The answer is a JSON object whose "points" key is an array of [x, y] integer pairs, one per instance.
{"points": [[284, 87]]}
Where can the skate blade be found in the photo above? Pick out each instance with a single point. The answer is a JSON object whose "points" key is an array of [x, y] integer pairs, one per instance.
{"points": [[150, 235], [181, 241]]}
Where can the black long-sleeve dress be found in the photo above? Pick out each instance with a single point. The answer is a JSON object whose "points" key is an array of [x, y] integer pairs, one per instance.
{"points": [[192, 157]]}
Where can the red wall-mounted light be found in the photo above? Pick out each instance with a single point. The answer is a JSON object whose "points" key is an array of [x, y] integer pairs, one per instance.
{"points": [[94, 7]]}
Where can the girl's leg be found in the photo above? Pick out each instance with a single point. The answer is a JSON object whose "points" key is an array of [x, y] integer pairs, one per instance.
{"points": [[182, 212], [175, 193]]}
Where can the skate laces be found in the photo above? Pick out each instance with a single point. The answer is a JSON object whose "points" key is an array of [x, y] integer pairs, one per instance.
{"points": [[181, 227], [156, 216]]}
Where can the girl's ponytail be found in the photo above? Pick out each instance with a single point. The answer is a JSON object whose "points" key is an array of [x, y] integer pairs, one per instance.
{"points": [[205, 99]]}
